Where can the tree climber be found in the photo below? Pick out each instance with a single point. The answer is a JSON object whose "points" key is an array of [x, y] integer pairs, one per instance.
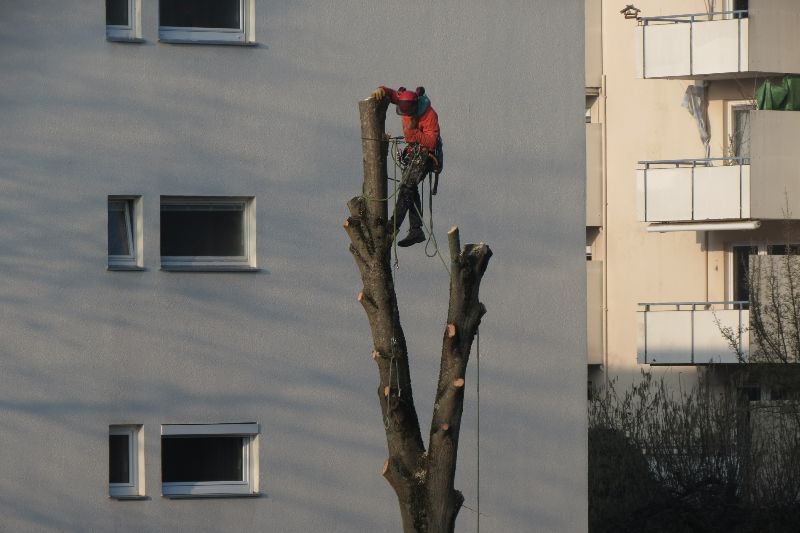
{"points": [[421, 132]]}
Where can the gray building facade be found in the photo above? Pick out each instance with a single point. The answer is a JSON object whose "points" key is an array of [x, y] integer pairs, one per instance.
{"points": [[280, 341]]}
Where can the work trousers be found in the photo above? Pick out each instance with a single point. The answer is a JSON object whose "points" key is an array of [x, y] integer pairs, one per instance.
{"points": [[408, 194]]}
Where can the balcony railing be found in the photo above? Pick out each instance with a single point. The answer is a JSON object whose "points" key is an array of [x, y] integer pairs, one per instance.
{"points": [[693, 45], [689, 190], [691, 333]]}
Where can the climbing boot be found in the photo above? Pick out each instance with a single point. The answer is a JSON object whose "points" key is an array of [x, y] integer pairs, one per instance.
{"points": [[414, 236]]}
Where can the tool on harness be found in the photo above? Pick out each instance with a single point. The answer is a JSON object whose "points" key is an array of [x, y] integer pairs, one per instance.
{"points": [[411, 152]]}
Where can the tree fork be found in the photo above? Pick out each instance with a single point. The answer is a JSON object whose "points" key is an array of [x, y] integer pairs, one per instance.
{"points": [[422, 481]]}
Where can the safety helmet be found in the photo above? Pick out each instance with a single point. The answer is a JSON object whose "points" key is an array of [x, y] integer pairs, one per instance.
{"points": [[408, 101]]}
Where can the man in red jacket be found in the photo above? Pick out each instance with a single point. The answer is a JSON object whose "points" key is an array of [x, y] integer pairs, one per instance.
{"points": [[421, 130]]}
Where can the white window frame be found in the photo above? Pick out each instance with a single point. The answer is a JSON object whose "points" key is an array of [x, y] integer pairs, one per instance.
{"points": [[729, 6], [246, 263], [243, 35], [135, 486], [762, 250], [131, 33], [133, 215], [204, 489], [731, 107]]}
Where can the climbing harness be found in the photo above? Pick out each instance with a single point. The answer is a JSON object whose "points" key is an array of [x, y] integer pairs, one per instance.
{"points": [[403, 159]]}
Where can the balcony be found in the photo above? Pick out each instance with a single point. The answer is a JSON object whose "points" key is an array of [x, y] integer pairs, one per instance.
{"points": [[728, 189], [690, 333], [594, 175], [593, 43], [730, 44], [690, 190]]}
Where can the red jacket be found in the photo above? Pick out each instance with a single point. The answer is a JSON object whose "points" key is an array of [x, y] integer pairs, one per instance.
{"points": [[427, 130]]}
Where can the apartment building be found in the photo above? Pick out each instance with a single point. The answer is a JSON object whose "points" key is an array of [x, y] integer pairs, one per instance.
{"points": [[686, 179], [182, 349]]}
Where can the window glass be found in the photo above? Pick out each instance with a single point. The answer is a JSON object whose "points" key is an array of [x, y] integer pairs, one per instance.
{"points": [[200, 13], [741, 269], [783, 249], [120, 228], [119, 459], [750, 393], [198, 230], [741, 132], [117, 12], [193, 459]]}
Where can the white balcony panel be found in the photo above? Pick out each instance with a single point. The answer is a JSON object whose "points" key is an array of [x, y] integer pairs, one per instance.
{"points": [[744, 46], [720, 191], [710, 346], [667, 194], [594, 311], [594, 175], [593, 43], [716, 46], [668, 337], [665, 50], [682, 337]]}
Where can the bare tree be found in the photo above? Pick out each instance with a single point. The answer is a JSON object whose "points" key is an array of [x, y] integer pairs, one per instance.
{"points": [[697, 460], [423, 479]]}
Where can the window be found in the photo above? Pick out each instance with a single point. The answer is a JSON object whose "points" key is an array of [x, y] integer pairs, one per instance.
{"points": [[123, 20], [739, 128], [591, 115], [740, 265], [208, 233], [125, 461], [741, 271], [209, 459], [124, 233], [206, 21], [783, 249], [741, 6], [749, 393]]}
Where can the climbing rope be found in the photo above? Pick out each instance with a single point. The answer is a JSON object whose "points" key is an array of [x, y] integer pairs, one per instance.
{"points": [[478, 430], [394, 368]]}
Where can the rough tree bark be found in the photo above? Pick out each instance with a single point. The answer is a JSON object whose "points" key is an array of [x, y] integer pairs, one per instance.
{"points": [[422, 480]]}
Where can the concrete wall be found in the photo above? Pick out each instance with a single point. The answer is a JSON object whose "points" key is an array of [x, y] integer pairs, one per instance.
{"points": [[288, 347], [775, 164], [773, 36], [643, 120], [593, 44]]}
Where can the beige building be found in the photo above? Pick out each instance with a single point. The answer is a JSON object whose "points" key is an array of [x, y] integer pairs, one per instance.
{"points": [[685, 180]]}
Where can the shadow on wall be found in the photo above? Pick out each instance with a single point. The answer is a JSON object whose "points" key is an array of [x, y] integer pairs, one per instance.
{"points": [[289, 347]]}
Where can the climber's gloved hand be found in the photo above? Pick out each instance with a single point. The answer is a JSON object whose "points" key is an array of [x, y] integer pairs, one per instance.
{"points": [[379, 94]]}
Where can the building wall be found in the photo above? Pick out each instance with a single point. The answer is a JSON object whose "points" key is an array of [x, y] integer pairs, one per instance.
{"points": [[643, 121], [288, 347]]}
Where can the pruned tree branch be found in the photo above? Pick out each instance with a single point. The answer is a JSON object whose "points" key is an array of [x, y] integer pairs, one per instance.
{"points": [[422, 481]]}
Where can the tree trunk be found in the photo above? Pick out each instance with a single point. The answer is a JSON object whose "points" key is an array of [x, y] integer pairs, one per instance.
{"points": [[422, 481]]}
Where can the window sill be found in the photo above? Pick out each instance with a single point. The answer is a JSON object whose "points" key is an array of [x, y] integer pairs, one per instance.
{"points": [[128, 498], [130, 40], [209, 268], [125, 268], [206, 496], [167, 40]]}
